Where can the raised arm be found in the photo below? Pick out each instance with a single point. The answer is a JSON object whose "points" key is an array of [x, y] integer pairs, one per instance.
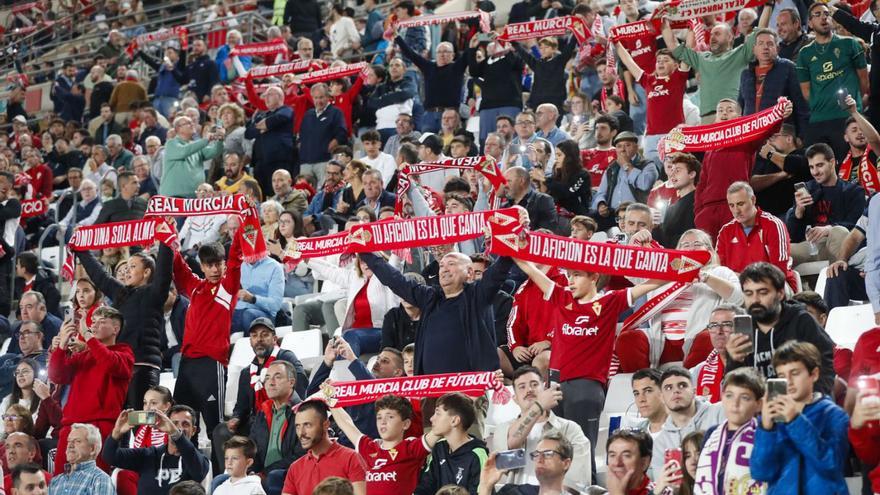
{"points": [[108, 285], [864, 125], [346, 424], [628, 62], [538, 277]]}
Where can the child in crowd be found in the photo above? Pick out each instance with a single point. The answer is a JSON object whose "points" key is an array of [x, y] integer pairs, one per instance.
{"points": [[409, 357], [239, 453]]}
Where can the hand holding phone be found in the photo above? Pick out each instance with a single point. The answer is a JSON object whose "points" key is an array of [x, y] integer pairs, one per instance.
{"points": [[776, 387], [675, 457], [138, 418], [512, 459]]}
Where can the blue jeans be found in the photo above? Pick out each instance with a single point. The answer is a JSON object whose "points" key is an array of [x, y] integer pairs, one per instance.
{"points": [[363, 340], [590, 82], [487, 119], [242, 318], [431, 122], [164, 105], [638, 113]]}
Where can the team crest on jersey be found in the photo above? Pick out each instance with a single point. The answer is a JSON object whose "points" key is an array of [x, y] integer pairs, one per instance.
{"points": [[392, 453], [837, 53], [597, 308]]}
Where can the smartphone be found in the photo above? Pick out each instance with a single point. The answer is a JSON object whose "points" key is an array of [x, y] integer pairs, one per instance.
{"points": [[511, 459], [68, 312], [870, 388], [742, 324], [842, 95], [775, 388], [138, 418], [621, 238], [484, 38], [516, 149], [800, 186], [674, 455]]}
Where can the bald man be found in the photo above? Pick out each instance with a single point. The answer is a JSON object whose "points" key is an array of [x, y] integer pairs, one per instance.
{"points": [[291, 199]]}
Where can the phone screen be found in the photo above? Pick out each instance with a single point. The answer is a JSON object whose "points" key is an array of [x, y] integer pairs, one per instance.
{"points": [[742, 324], [511, 459]]}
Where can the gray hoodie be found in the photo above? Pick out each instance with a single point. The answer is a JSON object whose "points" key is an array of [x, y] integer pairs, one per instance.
{"points": [[707, 415]]}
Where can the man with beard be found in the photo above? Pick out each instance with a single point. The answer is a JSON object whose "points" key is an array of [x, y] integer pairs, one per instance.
{"points": [[597, 159], [863, 140], [202, 73], [830, 68], [687, 413], [234, 174], [326, 198], [780, 165], [536, 403], [324, 458], [389, 364], [709, 374], [720, 67], [251, 393], [776, 321], [753, 235]]}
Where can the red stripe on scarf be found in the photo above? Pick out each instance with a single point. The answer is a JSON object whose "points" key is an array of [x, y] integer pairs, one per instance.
{"points": [[541, 28], [189, 207]]}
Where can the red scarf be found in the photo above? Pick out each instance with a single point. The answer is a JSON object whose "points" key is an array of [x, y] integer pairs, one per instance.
{"points": [[163, 206], [473, 384], [332, 73], [164, 34], [654, 305], [710, 377], [297, 67], [866, 172], [258, 375], [542, 28], [680, 11], [758, 126], [633, 30], [253, 245], [434, 19], [612, 259], [34, 207], [482, 164], [264, 49], [618, 86]]}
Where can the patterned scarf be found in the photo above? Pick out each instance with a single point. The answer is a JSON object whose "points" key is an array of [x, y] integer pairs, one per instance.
{"points": [[258, 374], [711, 375]]}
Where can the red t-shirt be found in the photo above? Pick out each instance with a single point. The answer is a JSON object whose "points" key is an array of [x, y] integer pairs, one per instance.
{"points": [[308, 470], [643, 51], [396, 470], [665, 95], [865, 357], [662, 192], [583, 340], [363, 316], [596, 161]]}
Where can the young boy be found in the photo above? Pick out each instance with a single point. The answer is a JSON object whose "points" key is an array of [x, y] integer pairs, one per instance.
{"points": [[584, 339], [239, 453], [806, 451], [723, 465], [409, 358], [394, 462]]}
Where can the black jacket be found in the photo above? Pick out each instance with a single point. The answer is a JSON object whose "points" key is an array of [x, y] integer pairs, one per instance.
{"points": [[679, 219], [245, 409], [575, 196], [500, 82], [398, 329], [303, 16], [549, 79], [202, 74], [779, 197], [461, 467], [110, 127], [45, 285], [178, 323], [261, 428], [781, 80], [442, 84], [845, 203], [542, 210], [159, 470], [385, 199], [275, 146], [794, 324], [118, 210], [141, 307]]}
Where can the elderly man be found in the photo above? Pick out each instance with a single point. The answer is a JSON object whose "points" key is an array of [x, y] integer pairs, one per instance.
{"points": [[156, 153], [146, 184], [33, 308], [30, 344], [234, 174], [458, 327], [495, 146], [81, 476], [293, 200], [548, 114], [541, 208], [127, 205], [375, 195], [87, 208], [404, 130], [443, 77], [183, 169], [273, 140], [721, 66], [29, 275], [708, 374], [628, 178], [21, 449], [323, 128], [536, 418]]}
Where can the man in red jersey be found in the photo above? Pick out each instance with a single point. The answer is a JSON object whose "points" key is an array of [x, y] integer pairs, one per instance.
{"points": [[98, 376], [205, 350]]}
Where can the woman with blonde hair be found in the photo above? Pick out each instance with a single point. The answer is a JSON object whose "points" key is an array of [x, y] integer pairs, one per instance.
{"points": [[233, 119], [676, 330]]}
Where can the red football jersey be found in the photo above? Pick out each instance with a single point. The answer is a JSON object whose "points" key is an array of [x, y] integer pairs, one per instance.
{"points": [[665, 94], [396, 470], [583, 340], [595, 161]]}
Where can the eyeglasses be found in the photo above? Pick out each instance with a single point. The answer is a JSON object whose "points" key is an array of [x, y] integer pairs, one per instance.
{"points": [[11, 417], [27, 333], [718, 325], [546, 454]]}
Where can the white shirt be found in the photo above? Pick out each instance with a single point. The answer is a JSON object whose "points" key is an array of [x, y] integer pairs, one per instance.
{"points": [[384, 163], [343, 34]]}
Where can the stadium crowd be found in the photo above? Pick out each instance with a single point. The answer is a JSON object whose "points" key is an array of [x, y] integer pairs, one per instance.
{"points": [[318, 118]]}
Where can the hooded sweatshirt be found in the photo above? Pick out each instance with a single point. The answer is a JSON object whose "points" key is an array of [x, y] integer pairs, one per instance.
{"points": [[794, 324], [249, 485], [670, 436], [805, 456], [159, 470], [461, 467]]}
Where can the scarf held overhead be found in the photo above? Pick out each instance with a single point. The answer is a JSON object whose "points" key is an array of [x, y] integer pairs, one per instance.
{"points": [[612, 259], [678, 11], [541, 28], [433, 19], [758, 126], [160, 206], [262, 49], [473, 384], [482, 164], [177, 32]]}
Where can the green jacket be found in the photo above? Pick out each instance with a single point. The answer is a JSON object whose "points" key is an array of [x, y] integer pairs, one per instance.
{"points": [[183, 170]]}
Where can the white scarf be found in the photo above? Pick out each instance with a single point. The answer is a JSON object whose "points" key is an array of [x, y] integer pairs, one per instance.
{"points": [[737, 479]]}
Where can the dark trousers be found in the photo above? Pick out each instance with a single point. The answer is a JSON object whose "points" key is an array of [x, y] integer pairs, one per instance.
{"points": [[848, 284], [200, 385], [829, 132], [142, 379], [583, 401]]}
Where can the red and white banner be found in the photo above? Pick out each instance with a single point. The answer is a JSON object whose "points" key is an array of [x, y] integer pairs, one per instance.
{"points": [[161, 206], [34, 207], [118, 234], [678, 11], [26, 7], [633, 30], [433, 19], [473, 384], [482, 164], [541, 28], [758, 126], [332, 73], [612, 259], [264, 49], [281, 69], [177, 32]]}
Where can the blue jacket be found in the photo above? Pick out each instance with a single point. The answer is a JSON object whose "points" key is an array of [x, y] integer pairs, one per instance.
{"points": [[275, 146], [806, 456], [222, 55], [265, 280], [781, 80], [317, 132], [316, 207], [385, 199], [845, 203]]}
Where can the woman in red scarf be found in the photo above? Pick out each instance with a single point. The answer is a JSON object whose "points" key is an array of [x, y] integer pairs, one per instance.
{"points": [[87, 298]]}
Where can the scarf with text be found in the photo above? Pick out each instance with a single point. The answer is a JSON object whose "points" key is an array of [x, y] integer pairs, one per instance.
{"points": [[179, 33], [482, 164], [542, 28], [700, 34], [866, 172], [297, 67], [262, 49], [434, 19], [258, 376], [734, 470], [332, 73], [758, 126], [608, 258], [391, 235], [34, 207], [680, 11], [472, 384], [118, 234], [710, 377], [632, 31]]}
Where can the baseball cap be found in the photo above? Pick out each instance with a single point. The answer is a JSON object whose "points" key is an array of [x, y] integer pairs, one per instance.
{"points": [[262, 322]]}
